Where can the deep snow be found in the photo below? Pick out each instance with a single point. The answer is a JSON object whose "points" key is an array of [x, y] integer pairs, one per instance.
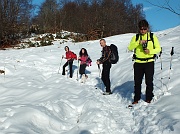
{"points": [[36, 99]]}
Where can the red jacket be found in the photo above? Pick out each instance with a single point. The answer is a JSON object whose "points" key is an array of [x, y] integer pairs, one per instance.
{"points": [[70, 55]]}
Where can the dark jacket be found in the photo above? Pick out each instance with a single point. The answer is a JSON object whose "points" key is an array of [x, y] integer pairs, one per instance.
{"points": [[105, 58]]}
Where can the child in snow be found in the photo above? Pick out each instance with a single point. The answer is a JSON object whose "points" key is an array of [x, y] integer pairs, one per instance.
{"points": [[84, 61], [70, 56]]}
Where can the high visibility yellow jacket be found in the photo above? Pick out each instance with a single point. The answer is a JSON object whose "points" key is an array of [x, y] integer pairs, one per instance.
{"points": [[139, 52]]}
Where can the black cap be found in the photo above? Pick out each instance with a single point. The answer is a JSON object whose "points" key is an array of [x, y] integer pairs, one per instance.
{"points": [[143, 23]]}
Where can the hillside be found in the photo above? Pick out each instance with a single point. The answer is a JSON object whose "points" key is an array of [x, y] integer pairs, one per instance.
{"points": [[35, 98]]}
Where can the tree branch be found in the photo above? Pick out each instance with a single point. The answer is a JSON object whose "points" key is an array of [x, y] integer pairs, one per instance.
{"points": [[165, 6]]}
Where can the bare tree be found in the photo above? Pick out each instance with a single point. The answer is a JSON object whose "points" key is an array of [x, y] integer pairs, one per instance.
{"points": [[100, 17], [167, 6], [15, 19], [47, 16]]}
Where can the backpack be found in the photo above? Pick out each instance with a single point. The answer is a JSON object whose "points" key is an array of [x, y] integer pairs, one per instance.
{"points": [[114, 57], [88, 61], [152, 39], [74, 56]]}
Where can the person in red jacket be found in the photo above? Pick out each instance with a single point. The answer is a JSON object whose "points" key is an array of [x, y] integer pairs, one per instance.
{"points": [[70, 56]]}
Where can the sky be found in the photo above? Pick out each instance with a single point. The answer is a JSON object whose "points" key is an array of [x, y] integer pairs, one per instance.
{"points": [[159, 19], [36, 99]]}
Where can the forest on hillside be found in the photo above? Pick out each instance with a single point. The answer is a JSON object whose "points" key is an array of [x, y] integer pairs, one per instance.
{"points": [[94, 19]]}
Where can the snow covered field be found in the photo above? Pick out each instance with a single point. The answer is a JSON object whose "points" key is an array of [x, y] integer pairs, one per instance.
{"points": [[36, 99]]}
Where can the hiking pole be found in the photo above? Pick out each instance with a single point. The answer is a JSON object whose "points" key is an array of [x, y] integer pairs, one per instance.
{"points": [[172, 53], [100, 76], [99, 70], [161, 67], [68, 69], [60, 64], [78, 71]]}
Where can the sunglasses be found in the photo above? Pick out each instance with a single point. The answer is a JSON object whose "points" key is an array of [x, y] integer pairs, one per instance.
{"points": [[143, 28]]}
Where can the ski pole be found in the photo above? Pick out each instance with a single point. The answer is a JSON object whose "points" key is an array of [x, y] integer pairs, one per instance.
{"points": [[60, 64], [78, 71], [100, 76], [170, 67], [161, 67], [99, 70], [68, 71], [172, 53]]}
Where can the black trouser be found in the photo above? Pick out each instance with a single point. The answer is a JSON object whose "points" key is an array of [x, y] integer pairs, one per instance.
{"points": [[141, 69], [70, 63], [106, 76], [82, 69]]}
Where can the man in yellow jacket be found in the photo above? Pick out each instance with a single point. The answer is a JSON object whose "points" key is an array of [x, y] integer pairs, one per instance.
{"points": [[145, 48]]}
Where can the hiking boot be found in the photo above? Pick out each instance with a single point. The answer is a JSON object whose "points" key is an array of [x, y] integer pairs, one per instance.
{"points": [[107, 93], [135, 102], [83, 78]]}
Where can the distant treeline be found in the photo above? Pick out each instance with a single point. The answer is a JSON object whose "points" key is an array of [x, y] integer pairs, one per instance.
{"points": [[99, 18]]}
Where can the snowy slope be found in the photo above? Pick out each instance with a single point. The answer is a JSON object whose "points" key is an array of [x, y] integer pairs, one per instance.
{"points": [[35, 98]]}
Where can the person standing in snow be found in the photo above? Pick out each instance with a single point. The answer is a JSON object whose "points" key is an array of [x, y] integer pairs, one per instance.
{"points": [[84, 61], [70, 56], [145, 49], [105, 61]]}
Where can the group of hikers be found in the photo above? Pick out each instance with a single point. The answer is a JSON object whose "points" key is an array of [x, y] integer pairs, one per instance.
{"points": [[83, 58], [145, 46]]}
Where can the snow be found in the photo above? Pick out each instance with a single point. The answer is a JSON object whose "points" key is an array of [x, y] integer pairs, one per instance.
{"points": [[35, 98]]}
